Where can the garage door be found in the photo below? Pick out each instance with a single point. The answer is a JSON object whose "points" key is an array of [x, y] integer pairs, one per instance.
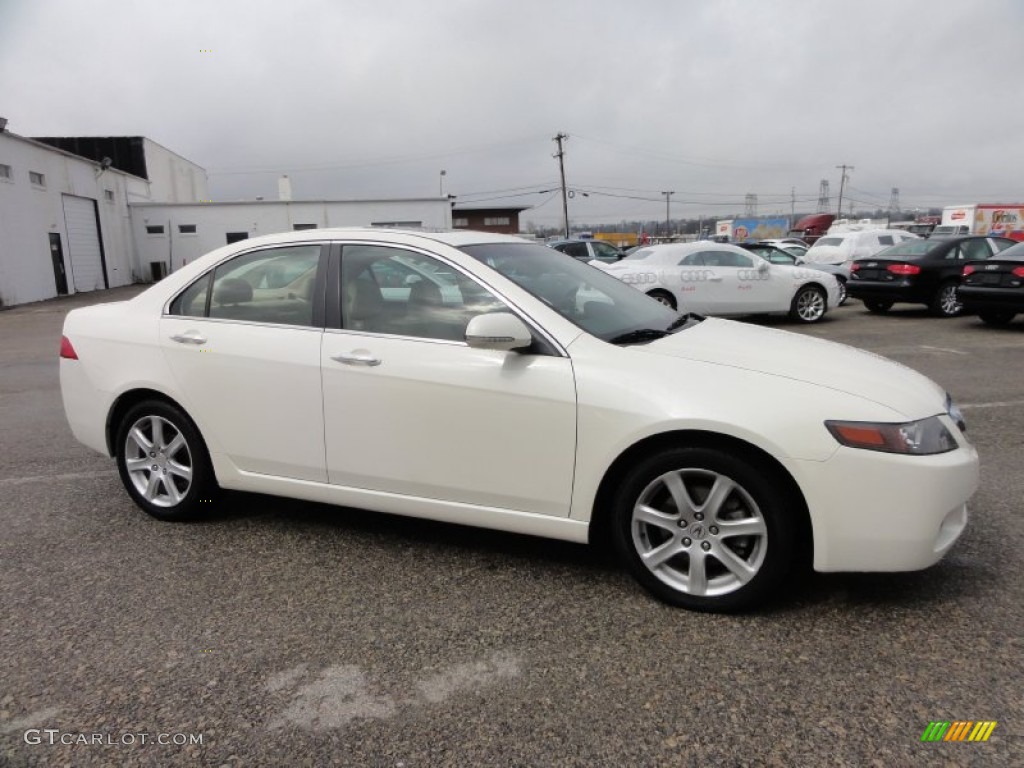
{"points": [[84, 250]]}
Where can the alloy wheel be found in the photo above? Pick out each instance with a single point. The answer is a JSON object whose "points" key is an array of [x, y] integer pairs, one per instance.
{"points": [[158, 461], [699, 532], [810, 305]]}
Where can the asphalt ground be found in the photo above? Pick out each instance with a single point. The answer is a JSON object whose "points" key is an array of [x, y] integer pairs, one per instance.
{"points": [[280, 633]]}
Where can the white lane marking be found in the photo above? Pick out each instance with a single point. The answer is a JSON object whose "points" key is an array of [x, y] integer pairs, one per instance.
{"points": [[999, 404], [58, 478], [943, 349]]}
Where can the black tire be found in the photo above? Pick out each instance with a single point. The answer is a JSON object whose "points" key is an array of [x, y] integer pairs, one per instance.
{"points": [[945, 302], [997, 319], [843, 295], [163, 462], [664, 297], [877, 307], [747, 494], [809, 305]]}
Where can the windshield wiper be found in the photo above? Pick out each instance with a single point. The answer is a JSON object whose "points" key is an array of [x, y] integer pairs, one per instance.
{"points": [[638, 336], [683, 319]]}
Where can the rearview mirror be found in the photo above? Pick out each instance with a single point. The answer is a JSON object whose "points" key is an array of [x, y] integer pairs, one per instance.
{"points": [[762, 266], [498, 330]]}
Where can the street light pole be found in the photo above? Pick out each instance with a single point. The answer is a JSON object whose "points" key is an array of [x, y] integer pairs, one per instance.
{"points": [[440, 183], [667, 196]]}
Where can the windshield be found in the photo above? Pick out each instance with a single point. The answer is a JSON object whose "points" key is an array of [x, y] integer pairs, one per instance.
{"points": [[586, 296]]}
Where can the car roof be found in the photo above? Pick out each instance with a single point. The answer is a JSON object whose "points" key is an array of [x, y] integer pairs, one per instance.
{"points": [[455, 237]]}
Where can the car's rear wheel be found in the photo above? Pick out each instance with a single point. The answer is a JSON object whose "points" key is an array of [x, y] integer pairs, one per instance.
{"points": [[702, 529], [997, 318], [664, 297], [843, 296], [878, 307], [809, 304], [163, 461], [946, 302]]}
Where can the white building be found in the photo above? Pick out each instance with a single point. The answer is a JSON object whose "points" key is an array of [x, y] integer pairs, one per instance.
{"points": [[167, 236], [64, 217], [87, 213]]}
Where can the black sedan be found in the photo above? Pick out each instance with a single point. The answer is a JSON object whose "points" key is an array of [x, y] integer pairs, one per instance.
{"points": [[995, 288], [920, 272]]}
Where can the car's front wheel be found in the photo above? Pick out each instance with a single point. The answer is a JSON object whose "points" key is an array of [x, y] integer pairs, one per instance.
{"points": [[946, 302], [997, 319], [703, 529], [664, 297], [809, 304], [163, 461]]}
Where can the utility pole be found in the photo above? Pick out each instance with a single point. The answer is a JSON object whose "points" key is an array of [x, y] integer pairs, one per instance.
{"points": [[792, 203], [667, 196], [561, 170], [842, 183]]}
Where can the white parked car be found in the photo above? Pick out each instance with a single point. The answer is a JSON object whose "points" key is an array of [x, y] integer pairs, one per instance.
{"points": [[513, 387], [845, 247], [726, 280]]}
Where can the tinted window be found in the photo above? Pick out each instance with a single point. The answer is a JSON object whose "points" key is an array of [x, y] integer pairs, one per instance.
{"points": [[974, 250], [726, 259], [830, 241], [911, 248], [885, 240], [576, 250], [399, 292], [273, 285], [605, 252], [1015, 253]]}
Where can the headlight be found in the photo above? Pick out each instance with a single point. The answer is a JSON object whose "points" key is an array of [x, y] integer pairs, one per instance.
{"points": [[919, 438]]}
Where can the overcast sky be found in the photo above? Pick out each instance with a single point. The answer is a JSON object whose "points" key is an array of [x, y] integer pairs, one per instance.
{"points": [[374, 98]]}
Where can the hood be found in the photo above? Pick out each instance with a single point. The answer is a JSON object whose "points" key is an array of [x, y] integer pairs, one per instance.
{"points": [[806, 359]]}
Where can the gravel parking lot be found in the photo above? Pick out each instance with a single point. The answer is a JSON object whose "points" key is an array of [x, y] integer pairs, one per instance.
{"points": [[282, 633]]}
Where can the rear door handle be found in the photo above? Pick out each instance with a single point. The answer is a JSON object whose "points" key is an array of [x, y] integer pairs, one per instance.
{"points": [[357, 358], [189, 337]]}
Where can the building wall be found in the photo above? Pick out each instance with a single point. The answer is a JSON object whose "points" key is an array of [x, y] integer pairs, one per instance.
{"points": [[500, 220], [214, 221], [29, 213], [172, 178]]}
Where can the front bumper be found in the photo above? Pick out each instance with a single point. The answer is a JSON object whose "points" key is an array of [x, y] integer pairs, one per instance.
{"points": [[873, 511]]}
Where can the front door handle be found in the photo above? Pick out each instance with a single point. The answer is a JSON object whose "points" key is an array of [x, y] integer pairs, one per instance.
{"points": [[189, 337], [357, 358]]}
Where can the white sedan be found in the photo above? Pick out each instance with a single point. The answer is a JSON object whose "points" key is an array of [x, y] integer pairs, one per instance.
{"points": [[509, 386], [725, 280]]}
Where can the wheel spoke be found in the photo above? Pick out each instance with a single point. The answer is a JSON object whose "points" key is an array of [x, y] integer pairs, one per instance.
{"points": [[180, 470], [158, 431], [137, 465], [174, 446], [739, 567], [697, 575], [657, 557], [680, 495], [152, 485], [750, 526], [651, 516], [717, 496], [172, 489], [140, 439]]}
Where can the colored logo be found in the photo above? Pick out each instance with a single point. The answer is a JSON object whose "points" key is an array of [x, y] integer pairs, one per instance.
{"points": [[956, 215], [961, 730]]}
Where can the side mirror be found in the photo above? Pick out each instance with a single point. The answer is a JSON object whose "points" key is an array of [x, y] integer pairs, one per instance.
{"points": [[498, 330], [799, 262], [762, 266]]}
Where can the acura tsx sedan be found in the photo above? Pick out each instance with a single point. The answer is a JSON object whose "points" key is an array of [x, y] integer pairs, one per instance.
{"points": [[484, 380]]}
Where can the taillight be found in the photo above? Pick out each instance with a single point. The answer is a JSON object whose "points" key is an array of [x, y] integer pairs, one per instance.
{"points": [[1018, 271], [969, 270], [904, 269], [855, 267], [66, 350]]}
